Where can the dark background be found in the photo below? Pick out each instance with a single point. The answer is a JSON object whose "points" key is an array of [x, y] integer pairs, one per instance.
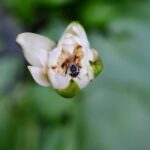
{"points": [[112, 113]]}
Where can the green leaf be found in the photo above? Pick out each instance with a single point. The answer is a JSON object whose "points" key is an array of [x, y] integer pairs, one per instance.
{"points": [[9, 67], [98, 14]]}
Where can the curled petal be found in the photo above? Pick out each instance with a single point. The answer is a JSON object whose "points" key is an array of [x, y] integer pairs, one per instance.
{"points": [[58, 81], [68, 42], [33, 46], [77, 32], [39, 76], [85, 77], [76, 29], [54, 55], [43, 58], [82, 82]]}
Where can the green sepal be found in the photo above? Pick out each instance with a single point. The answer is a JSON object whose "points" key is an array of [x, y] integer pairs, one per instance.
{"points": [[97, 66], [69, 91]]}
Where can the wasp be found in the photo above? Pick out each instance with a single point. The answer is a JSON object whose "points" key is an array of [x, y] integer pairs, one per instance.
{"points": [[72, 66]]}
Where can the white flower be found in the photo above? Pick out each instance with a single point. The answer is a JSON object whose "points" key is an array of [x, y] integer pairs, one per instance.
{"points": [[68, 65]]}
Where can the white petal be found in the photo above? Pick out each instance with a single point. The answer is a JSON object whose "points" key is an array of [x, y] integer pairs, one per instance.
{"points": [[68, 39], [85, 77], [58, 81], [43, 57], [86, 66], [82, 82], [90, 72], [33, 46], [69, 42], [76, 29], [88, 53], [39, 76], [54, 55], [79, 36]]}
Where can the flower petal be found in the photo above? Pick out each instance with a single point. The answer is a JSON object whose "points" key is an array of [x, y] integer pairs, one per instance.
{"points": [[39, 76], [69, 41], [76, 29], [85, 77], [43, 57], [33, 46], [58, 81], [54, 55], [79, 35]]}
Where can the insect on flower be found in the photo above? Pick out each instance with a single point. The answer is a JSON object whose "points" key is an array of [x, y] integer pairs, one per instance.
{"points": [[71, 64], [68, 65], [74, 70]]}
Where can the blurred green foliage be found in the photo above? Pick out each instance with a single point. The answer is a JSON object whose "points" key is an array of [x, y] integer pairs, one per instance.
{"points": [[112, 113]]}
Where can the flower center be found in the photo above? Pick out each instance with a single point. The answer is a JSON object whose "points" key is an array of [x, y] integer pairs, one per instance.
{"points": [[66, 60]]}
